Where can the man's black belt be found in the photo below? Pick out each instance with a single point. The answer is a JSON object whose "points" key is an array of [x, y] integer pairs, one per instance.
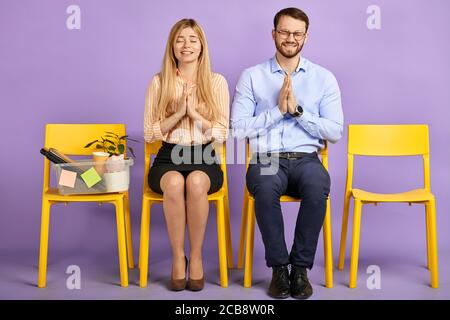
{"points": [[288, 155]]}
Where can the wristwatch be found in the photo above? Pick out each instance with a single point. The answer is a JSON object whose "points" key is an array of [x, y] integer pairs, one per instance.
{"points": [[298, 111]]}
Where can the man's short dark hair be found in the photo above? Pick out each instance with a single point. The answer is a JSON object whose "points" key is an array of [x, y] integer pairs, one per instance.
{"points": [[293, 13]]}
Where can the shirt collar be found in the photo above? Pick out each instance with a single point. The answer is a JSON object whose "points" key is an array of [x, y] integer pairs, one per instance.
{"points": [[275, 67]]}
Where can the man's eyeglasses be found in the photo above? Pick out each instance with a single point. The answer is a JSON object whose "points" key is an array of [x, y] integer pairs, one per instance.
{"points": [[284, 34]]}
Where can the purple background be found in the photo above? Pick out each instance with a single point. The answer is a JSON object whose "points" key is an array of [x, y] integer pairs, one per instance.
{"points": [[99, 74]]}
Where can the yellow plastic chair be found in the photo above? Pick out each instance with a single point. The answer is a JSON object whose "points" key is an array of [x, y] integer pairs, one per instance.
{"points": [[247, 234], [220, 198], [71, 139], [388, 140]]}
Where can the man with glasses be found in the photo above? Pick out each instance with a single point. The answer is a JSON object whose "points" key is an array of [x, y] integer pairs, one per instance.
{"points": [[287, 107]]}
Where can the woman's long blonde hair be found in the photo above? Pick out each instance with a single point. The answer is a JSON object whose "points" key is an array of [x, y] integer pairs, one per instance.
{"points": [[168, 74]]}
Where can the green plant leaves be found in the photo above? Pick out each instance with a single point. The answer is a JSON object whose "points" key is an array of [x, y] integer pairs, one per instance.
{"points": [[107, 140], [113, 146], [132, 152], [90, 143]]}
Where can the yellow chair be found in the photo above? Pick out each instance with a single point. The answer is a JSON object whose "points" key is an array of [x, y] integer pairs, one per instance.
{"points": [[248, 230], [388, 140], [70, 139], [220, 198]]}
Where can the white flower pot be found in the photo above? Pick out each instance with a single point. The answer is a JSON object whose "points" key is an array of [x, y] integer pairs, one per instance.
{"points": [[115, 163], [116, 181]]}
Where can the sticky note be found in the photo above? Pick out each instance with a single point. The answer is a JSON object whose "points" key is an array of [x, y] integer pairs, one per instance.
{"points": [[90, 177], [67, 178]]}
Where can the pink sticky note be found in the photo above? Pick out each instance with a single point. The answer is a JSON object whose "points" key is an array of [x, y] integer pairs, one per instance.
{"points": [[67, 178]]}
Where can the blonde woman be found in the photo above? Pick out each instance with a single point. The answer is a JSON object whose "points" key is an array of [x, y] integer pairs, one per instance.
{"points": [[187, 107]]}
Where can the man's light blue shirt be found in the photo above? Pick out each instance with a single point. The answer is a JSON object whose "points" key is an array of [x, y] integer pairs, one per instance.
{"points": [[255, 113]]}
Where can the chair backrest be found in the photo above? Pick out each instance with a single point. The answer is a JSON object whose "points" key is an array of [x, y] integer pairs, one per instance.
{"points": [[151, 149], [70, 139], [388, 140], [323, 154]]}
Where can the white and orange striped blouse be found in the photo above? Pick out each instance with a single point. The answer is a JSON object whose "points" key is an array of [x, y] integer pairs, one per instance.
{"points": [[185, 132]]}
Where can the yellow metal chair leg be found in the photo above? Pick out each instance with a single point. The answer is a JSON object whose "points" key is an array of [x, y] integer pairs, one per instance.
{"points": [[144, 245], [228, 234], [121, 243], [341, 261], [243, 230], [221, 234], [248, 270], [327, 245], [355, 243], [43, 249], [427, 226], [433, 244], [128, 231]]}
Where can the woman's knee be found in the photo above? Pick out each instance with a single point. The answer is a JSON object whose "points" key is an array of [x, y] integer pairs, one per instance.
{"points": [[172, 184], [197, 184]]}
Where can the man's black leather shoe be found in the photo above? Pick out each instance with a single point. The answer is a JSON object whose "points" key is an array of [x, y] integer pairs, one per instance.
{"points": [[279, 286], [300, 286]]}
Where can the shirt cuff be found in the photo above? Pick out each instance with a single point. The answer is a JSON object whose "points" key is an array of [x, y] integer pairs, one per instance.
{"points": [[157, 134], [275, 114], [218, 132], [305, 118]]}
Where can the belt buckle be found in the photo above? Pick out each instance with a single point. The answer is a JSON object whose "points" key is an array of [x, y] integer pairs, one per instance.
{"points": [[289, 156]]}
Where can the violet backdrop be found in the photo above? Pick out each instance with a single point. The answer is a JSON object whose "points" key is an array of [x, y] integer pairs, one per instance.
{"points": [[99, 74]]}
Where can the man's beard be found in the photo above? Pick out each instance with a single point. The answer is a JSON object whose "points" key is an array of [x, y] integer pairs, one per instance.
{"points": [[285, 54]]}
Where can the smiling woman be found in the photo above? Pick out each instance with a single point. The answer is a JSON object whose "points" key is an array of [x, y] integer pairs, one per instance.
{"points": [[187, 107]]}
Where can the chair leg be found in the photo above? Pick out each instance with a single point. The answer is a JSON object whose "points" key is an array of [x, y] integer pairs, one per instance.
{"points": [[327, 245], [43, 249], [121, 243], [341, 261], [144, 245], [431, 212], [228, 234], [427, 227], [128, 231], [355, 243], [243, 229], [221, 237], [250, 232]]}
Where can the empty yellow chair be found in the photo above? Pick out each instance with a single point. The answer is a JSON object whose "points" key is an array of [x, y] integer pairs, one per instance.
{"points": [[388, 140], [70, 139], [220, 198], [248, 229]]}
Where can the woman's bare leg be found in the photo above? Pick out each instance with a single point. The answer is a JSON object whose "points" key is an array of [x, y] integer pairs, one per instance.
{"points": [[173, 184], [197, 186]]}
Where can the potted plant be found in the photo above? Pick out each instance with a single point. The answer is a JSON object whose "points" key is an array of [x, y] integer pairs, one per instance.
{"points": [[111, 162]]}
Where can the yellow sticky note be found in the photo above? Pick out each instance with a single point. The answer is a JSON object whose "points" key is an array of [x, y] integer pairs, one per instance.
{"points": [[90, 177], [67, 178]]}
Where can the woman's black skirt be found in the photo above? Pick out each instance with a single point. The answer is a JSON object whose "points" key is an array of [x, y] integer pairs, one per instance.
{"points": [[185, 159]]}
